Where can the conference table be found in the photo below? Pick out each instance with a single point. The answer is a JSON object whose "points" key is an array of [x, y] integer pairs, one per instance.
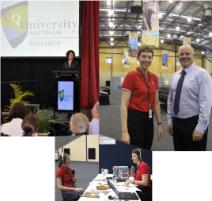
{"points": [[105, 195]]}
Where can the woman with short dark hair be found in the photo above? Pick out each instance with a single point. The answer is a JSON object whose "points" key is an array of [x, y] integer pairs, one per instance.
{"points": [[139, 101], [142, 177], [70, 64]]}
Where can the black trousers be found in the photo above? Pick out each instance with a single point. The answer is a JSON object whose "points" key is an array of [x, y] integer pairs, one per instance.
{"points": [[140, 129], [71, 195], [182, 135], [145, 194]]}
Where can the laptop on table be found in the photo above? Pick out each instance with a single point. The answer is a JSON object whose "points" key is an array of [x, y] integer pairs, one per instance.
{"points": [[123, 195]]}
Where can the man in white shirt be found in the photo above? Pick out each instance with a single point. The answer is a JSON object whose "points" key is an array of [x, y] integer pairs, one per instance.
{"points": [[189, 104]]}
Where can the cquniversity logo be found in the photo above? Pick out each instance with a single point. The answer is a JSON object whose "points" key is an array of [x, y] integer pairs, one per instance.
{"points": [[14, 19], [61, 95]]}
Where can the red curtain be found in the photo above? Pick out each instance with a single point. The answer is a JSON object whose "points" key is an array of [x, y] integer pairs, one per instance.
{"points": [[90, 54]]}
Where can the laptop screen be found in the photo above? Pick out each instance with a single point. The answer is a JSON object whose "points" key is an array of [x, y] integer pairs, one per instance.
{"points": [[110, 183]]}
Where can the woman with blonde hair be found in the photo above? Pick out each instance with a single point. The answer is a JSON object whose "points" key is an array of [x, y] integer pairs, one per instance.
{"points": [[79, 122]]}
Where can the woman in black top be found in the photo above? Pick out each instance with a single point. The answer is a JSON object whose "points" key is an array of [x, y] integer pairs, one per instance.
{"points": [[70, 64]]}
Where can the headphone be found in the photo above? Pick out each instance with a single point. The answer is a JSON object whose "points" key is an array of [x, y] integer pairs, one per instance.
{"points": [[63, 157], [139, 154]]}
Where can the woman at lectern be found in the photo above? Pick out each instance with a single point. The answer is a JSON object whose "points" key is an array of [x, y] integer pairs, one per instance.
{"points": [[142, 177], [70, 64]]}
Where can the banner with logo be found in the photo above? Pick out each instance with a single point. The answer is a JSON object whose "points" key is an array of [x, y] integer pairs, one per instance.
{"points": [[14, 20], [186, 40], [150, 32], [133, 43], [165, 56]]}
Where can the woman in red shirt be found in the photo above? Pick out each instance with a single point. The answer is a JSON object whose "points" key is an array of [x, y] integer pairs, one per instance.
{"points": [[142, 176], [66, 180], [138, 102]]}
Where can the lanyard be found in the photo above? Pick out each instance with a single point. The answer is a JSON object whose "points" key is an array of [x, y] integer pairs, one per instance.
{"points": [[147, 82]]}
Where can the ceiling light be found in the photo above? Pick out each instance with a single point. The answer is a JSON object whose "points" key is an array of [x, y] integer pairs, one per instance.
{"points": [[189, 19], [168, 36], [178, 28], [108, 2], [170, 1], [161, 41], [111, 24], [175, 36], [210, 34], [197, 40], [112, 44], [160, 15], [111, 33], [206, 6], [202, 52], [139, 44], [111, 39], [110, 13]]}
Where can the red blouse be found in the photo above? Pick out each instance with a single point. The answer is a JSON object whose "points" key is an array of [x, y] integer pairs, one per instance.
{"points": [[65, 173], [143, 168], [136, 82]]}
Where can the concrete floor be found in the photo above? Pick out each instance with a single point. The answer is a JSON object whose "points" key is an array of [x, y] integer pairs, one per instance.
{"points": [[110, 124]]}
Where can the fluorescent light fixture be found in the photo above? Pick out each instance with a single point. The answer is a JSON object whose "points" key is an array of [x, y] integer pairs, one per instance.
{"points": [[210, 34], [108, 2], [197, 40], [115, 10], [178, 28], [168, 36], [111, 39], [161, 41], [112, 44], [202, 52], [139, 44], [111, 33]]}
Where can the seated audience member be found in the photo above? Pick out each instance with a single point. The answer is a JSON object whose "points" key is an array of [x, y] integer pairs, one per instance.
{"points": [[142, 177], [79, 123], [13, 127], [66, 182], [30, 125]]}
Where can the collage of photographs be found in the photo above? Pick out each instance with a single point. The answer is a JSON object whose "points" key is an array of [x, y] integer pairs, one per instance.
{"points": [[111, 82]]}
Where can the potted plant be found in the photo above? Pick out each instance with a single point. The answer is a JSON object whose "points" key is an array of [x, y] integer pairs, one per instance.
{"points": [[19, 96], [45, 127]]}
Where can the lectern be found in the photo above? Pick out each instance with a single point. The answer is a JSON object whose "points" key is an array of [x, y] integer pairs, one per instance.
{"points": [[66, 91]]}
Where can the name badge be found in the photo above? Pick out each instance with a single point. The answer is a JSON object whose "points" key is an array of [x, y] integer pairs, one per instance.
{"points": [[150, 114]]}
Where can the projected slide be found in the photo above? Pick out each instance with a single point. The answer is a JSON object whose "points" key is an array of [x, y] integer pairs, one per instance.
{"points": [[65, 100], [39, 28]]}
